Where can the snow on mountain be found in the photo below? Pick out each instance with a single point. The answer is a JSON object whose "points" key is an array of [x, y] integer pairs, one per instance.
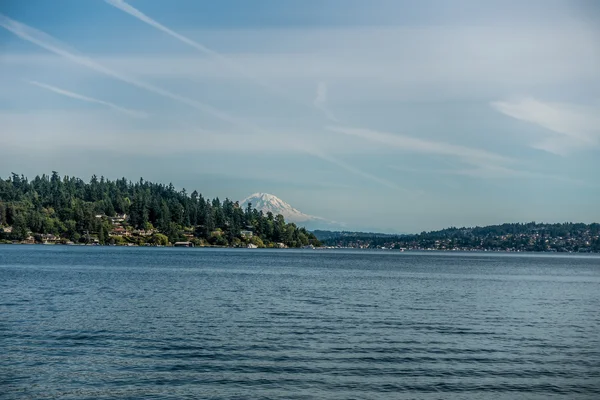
{"points": [[266, 202]]}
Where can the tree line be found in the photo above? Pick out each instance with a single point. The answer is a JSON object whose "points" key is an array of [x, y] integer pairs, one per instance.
{"points": [[529, 236], [71, 208]]}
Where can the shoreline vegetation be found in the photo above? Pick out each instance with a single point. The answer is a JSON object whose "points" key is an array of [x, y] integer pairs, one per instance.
{"points": [[528, 237], [51, 209]]}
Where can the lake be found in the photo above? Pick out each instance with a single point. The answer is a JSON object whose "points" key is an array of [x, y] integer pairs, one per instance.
{"points": [[172, 323]]}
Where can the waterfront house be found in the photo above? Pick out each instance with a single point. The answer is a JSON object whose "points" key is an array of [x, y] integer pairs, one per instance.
{"points": [[119, 231], [183, 244], [49, 238]]}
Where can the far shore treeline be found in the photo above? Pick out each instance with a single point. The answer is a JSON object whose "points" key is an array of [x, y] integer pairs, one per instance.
{"points": [[527, 237], [55, 209]]}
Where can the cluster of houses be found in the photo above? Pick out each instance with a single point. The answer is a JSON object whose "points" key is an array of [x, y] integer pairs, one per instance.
{"points": [[120, 229], [584, 241], [44, 237]]}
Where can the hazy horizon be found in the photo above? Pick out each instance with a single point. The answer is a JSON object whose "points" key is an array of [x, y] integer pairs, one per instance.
{"points": [[391, 116]]}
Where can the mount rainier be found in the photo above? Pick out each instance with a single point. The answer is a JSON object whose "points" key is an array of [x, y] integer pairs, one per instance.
{"points": [[266, 202]]}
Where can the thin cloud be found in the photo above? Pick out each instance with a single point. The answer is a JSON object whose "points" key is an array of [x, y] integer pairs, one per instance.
{"points": [[73, 95], [403, 142], [320, 101], [569, 127], [123, 6], [227, 62], [49, 43], [492, 172], [129, 9], [354, 170]]}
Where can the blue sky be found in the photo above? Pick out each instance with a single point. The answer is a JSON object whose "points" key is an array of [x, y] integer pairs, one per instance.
{"points": [[385, 115]]}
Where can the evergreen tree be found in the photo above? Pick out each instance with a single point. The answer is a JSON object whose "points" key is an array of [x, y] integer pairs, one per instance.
{"points": [[69, 207]]}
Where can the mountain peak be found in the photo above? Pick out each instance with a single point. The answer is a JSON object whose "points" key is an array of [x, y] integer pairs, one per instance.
{"points": [[264, 197], [267, 202]]}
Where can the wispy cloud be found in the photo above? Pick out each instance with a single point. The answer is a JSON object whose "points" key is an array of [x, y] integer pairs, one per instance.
{"points": [[73, 95], [51, 44], [123, 6], [492, 172], [215, 55], [228, 62], [411, 144], [354, 170], [569, 127], [321, 101]]}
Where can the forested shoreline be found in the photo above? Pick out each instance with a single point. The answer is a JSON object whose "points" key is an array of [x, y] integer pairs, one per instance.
{"points": [[55, 209], [528, 237], [51, 208]]}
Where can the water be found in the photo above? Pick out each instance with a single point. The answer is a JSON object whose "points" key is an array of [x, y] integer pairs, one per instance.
{"points": [[127, 323]]}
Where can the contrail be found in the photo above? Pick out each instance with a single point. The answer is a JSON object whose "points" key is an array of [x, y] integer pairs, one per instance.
{"points": [[133, 113], [473, 155], [121, 5], [321, 100], [352, 169], [51, 44], [129, 9]]}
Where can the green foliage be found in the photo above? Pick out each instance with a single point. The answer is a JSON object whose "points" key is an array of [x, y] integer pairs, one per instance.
{"points": [[75, 210], [198, 242], [117, 240], [20, 231], [515, 237], [159, 239], [255, 240]]}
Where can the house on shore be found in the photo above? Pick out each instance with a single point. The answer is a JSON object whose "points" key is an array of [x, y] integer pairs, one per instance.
{"points": [[183, 244], [48, 238]]}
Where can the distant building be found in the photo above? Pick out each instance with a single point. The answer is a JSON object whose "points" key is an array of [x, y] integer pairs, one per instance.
{"points": [[142, 232], [246, 234], [183, 244], [49, 238], [119, 231], [119, 218]]}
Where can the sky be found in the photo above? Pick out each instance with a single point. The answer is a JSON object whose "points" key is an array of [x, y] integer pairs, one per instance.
{"points": [[386, 115]]}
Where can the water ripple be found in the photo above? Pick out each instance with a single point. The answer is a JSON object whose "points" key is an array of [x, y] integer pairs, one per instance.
{"points": [[86, 323]]}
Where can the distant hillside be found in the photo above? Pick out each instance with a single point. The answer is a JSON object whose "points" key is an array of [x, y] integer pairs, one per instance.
{"points": [[55, 209], [565, 237], [345, 235]]}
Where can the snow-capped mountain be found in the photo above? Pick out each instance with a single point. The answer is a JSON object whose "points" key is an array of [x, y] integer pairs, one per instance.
{"points": [[266, 202]]}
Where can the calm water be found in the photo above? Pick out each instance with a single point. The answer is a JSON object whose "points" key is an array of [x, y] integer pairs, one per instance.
{"points": [[100, 323]]}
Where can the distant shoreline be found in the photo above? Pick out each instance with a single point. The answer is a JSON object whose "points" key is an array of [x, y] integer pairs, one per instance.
{"points": [[318, 248]]}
